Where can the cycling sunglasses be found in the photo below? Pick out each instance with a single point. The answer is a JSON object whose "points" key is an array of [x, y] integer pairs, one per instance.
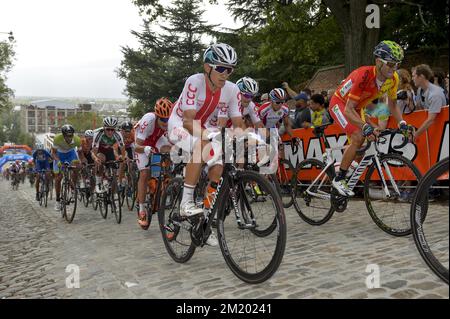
{"points": [[247, 95], [164, 120], [221, 69], [110, 129], [392, 65], [278, 102]]}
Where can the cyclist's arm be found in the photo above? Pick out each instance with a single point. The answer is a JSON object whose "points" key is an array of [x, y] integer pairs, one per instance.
{"points": [[238, 122], [54, 154], [139, 146], [188, 120], [287, 125], [351, 114]]}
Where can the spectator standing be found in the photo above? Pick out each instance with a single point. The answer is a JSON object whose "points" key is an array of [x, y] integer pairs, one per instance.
{"points": [[315, 115], [405, 93], [429, 96]]}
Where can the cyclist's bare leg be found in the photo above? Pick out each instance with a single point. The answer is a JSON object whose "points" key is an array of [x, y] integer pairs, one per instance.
{"points": [[142, 185], [357, 140]]}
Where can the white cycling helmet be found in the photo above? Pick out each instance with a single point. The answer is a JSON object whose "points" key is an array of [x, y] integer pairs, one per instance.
{"points": [[248, 85], [39, 146], [89, 133], [110, 122], [220, 53]]}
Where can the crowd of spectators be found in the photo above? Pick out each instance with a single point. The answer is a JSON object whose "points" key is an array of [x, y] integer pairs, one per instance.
{"points": [[421, 89]]}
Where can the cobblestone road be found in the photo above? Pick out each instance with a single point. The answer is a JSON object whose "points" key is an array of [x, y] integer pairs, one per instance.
{"points": [[122, 261]]}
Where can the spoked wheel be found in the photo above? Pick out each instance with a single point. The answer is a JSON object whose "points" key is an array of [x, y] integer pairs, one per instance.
{"points": [[64, 198], [130, 196], [86, 197], [391, 214], [70, 203], [313, 206], [284, 182], [175, 231], [431, 234], [114, 198], [102, 204], [252, 258]]}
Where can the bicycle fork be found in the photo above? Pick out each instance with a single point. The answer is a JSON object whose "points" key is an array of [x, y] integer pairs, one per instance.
{"points": [[383, 180]]}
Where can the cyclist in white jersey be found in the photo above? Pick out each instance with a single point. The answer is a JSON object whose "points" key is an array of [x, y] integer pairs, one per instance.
{"points": [[249, 88], [275, 112], [206, 103], [151, 136]]}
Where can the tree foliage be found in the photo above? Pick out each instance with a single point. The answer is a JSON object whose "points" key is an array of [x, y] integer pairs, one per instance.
{"points": [[84, 121], [11, 130], [6, 62], [288, 40], [165, 58]]}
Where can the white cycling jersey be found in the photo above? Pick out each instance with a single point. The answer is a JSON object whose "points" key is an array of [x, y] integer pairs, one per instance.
{"points": [[209, 106], [252, 111], [271, 118], [148, 131]]}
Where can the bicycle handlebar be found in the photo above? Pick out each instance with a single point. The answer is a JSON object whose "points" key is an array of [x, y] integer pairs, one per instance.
{"points": [[384, 133]]}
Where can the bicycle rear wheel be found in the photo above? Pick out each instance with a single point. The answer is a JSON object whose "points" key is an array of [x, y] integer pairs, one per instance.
{"points": [[431, 234], [175, 230], [252, 258], [391, 214], [314, 207], [116, 207], [71, 202], [284, 183]]}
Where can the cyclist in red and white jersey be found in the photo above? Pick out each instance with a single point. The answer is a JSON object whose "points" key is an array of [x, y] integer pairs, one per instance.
{"points": [[151, 135], [275, 112], [206, 103]]}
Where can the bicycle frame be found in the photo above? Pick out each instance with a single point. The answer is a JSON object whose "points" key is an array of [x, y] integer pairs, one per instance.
{"points": [[366, 161]]}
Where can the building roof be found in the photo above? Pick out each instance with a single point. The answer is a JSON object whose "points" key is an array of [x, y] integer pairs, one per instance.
{"points": [[327, 78], [59, 104]]}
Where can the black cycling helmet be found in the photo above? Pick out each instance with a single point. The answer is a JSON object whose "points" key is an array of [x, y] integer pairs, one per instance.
{"points": [[127, 126], [67, 129]]}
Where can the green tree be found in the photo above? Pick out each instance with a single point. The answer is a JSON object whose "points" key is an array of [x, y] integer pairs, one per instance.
{"points": [[84, 121], [6, 62], [11, 130], [163, 61]]}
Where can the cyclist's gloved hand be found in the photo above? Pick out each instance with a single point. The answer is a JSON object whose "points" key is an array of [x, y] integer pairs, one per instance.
{"points": [[403, 127], [147, 150], [367, 130]]}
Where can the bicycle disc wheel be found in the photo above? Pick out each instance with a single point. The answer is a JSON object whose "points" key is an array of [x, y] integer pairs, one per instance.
{"points": [[314, 207], [252, 258], [175, 231], [391, 214], [431, 234]]}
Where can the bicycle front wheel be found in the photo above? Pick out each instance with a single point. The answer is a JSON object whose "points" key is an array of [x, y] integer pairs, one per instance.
{"points": [[175, 231], [251, 257], [391, 211], [116, 207], [313, 201], [71, 203], [431, 234]]}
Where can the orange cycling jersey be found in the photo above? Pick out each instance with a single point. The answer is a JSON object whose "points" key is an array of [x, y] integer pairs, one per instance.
{"points": [[85, 146], [361, 86]]}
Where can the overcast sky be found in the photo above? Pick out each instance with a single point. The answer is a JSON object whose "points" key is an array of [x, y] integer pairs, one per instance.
{"points": [[67, 48]]}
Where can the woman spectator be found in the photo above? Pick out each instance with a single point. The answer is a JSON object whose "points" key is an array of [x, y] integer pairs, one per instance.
{"points": [[405, 93]]}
